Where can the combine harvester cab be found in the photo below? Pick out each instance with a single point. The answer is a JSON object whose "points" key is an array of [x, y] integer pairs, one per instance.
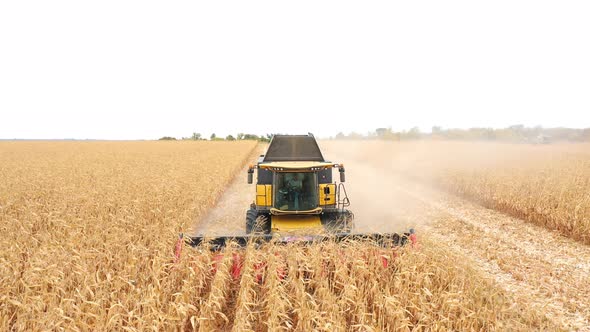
{"points": [[296, 200]]}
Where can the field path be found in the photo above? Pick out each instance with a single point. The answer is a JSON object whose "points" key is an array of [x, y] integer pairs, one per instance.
{"points": [[228, 217], [540, 268]]}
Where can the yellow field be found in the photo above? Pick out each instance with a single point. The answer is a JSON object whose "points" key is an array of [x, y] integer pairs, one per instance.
{"points": [[89, 230], [547, 185]]}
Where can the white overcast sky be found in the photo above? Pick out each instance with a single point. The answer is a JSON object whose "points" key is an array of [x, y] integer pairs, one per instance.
{"points": [[145, 69]]}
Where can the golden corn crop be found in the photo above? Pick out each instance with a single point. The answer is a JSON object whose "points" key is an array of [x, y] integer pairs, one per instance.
{"points": [[88, 231]]}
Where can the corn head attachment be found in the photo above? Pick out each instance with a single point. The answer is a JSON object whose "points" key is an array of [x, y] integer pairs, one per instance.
{"points": [[385, 240], [385, 250]]}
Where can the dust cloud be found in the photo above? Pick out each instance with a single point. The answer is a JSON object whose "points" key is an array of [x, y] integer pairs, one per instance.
{"points": [[372, 188], [379, 176], [382, 174]]}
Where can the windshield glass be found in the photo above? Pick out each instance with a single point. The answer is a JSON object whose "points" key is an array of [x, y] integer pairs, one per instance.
{"points": [[296, 191]]}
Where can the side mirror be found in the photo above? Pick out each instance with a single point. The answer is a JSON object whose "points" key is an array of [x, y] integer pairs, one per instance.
{"points": [[250, 176], [342, 176], [326, 190]]}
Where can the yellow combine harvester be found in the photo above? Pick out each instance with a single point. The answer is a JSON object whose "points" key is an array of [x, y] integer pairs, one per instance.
{"points": [[295, 192], [297, 200]]}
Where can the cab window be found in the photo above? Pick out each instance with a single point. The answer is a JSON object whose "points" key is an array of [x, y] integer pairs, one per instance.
{"points": [[296, 191]]}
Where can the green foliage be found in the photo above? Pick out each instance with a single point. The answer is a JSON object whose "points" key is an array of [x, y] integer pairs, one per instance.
{"points": [[167, 138], [239, 137], [252, 137], [196, 136]]}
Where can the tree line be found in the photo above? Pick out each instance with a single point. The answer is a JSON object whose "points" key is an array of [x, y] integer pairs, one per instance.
{"points": [[214, 137], [515, 133]]}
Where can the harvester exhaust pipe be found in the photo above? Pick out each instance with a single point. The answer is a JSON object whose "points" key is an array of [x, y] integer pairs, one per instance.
{"points": [[342, 176], [250, 175]]}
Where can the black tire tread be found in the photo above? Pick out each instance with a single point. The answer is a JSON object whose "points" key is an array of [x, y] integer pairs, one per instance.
{"points": [[257, 223], [338, 222]]}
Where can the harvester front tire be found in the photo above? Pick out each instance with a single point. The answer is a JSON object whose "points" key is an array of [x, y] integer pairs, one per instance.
{"points": [[338, 222], [256, 223]]}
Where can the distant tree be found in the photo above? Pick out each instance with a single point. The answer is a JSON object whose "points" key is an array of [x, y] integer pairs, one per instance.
{"points": [[196, 136], [489, 134], [340, 135], [386, 134], [354, 135], [167, 138], [414, 133], [213, 136], [266, 138], [382, 132], [230, 138], [517, 132], [251, 137]]}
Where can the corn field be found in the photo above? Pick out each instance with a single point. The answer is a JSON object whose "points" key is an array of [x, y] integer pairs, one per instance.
{"points": [[89, 230], [550, 188]]}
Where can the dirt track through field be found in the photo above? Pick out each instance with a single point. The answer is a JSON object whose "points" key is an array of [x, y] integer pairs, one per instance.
{"points": [[538, 267], [228, 217]]}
